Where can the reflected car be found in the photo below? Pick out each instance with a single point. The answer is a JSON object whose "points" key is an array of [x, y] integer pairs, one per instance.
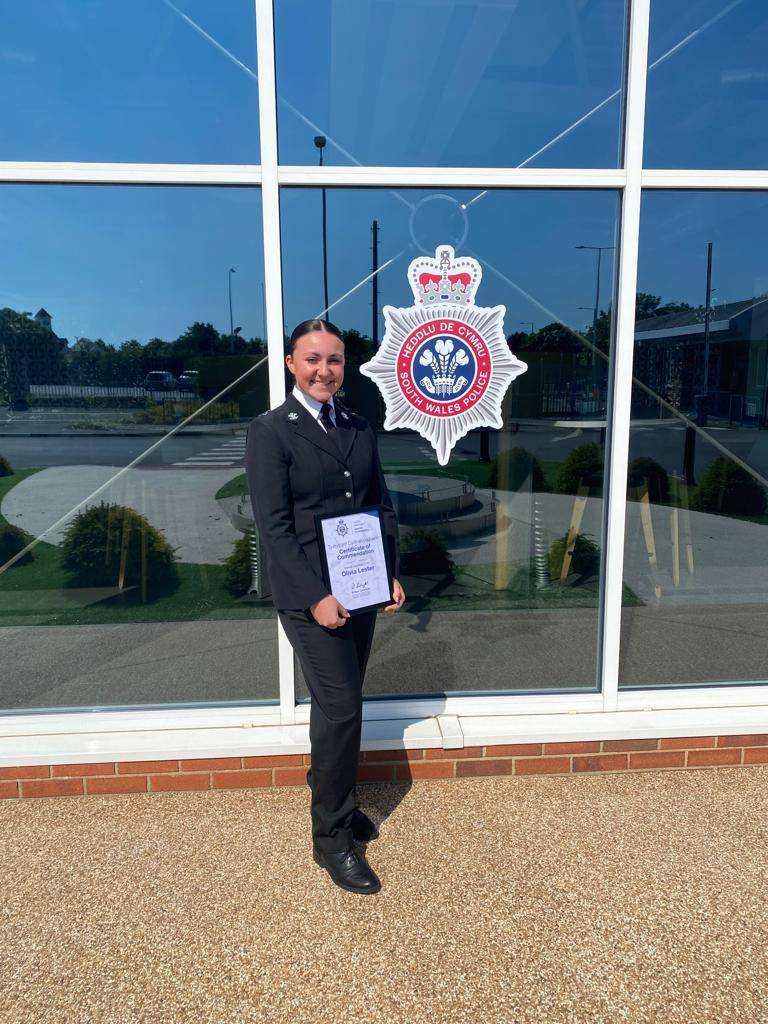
{"points": [[189, 380], [159, 380]]}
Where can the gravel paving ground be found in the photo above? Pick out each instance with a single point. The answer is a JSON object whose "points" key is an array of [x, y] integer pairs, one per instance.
{"points": [[633, 897]]}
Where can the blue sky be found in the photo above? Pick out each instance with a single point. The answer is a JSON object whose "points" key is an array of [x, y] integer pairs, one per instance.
{"points": [[132, 262], [486, 83], [106, 80]]}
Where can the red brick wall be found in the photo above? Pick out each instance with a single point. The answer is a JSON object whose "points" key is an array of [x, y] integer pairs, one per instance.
{"points": [[385, 765]]}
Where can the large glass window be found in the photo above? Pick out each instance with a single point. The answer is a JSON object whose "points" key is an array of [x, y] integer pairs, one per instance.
{"points": [[479, 84], [697, 511], [124, 312], [707, 84], [150, 81], [503, 546]]}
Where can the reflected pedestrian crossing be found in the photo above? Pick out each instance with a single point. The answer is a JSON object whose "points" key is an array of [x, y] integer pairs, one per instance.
{"points": [[226, 453]]}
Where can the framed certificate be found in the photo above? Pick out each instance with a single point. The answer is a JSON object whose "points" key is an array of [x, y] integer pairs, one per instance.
{"points": [[355, 559]]}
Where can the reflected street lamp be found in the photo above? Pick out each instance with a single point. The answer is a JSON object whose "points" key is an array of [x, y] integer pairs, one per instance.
{"points": [[599, 249], [231, 321], [320, 143], [591, 309]]}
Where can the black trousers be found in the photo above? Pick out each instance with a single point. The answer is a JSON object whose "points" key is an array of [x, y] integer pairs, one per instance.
{"points": [[333, 662]]}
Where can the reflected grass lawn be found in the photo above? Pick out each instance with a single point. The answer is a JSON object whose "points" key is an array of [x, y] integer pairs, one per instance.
{"points": [[39, 592], [477, 590], [234, 488], [477, 473]]}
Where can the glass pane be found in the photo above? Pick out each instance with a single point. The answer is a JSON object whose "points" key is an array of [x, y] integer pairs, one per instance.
{"points": [[415, 83], [115, 328], [707, 84], [696, 553], [494, 602], [148, 81]]}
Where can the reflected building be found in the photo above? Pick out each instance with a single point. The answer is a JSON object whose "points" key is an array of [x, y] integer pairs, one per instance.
{"points": [[671, 353], [44, 318]]}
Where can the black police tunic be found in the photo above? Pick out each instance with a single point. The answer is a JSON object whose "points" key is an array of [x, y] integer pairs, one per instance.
{"points": [[295, 471]]}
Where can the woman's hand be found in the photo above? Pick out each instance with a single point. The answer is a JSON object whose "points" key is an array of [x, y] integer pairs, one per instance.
{"points": [[399, 596], [329, 613]]}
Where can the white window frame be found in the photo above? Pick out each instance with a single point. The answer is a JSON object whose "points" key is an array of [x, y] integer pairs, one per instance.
{"points": [[451, 721]]}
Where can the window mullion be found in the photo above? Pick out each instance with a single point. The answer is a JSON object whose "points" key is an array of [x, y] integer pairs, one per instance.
{"points": [[273, 282], [623, 349]]}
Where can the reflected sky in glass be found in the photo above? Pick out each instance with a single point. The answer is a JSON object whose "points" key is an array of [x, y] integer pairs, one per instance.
{"points": [[120, 262], [524, 240], [707, 84], [161, 81], [418, 82], [676, 227]]}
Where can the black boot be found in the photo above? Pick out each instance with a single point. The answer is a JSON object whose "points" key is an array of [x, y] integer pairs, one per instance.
{"points": [[349, 870]]}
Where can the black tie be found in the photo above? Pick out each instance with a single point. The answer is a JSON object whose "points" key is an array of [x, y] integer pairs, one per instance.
{"points": [[325, 419]]}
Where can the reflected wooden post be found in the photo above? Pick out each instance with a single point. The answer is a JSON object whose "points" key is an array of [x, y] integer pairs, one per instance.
{"points": [[124, 551], [503, 524], [144, 543], [647, 521], [579, 505], [111, 532], [680, 491], [675, 532]]}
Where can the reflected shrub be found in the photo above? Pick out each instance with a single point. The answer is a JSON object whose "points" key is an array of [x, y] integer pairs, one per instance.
{"points": [[510, 469], [12, 541], [237, 568], [585, 561], [582, 466], [727, 489], [108, 540], [6, 469], [644, 471], [424, 551]]}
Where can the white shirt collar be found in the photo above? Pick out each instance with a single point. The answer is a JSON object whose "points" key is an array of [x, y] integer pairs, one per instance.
{"points": [[311, 404]]}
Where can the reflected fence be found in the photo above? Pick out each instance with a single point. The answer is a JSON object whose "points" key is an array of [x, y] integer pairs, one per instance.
{"points": [[113, 403], [68, 391], [559, 400]]}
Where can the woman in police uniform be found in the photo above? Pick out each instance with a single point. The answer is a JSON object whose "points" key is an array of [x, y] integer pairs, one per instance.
{"points": [[311, 455]]}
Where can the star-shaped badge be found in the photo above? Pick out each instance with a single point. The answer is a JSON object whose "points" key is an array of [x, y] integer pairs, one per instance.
{"points": [[444, 364]]}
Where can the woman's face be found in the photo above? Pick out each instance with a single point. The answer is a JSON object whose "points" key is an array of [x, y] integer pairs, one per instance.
{"points": [[317, 363]]}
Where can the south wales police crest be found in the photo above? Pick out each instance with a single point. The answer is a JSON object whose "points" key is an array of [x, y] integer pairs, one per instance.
{"points": [[444, 364]]}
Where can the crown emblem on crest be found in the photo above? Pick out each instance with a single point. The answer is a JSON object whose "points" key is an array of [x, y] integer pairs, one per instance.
{"points": [[444, 279]]}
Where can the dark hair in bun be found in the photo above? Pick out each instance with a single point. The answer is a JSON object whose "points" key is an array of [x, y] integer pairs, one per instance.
{"points": [[307, 326]]}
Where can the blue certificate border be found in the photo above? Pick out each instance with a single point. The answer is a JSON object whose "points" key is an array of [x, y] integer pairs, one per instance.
{"points": [[320, 518]]}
